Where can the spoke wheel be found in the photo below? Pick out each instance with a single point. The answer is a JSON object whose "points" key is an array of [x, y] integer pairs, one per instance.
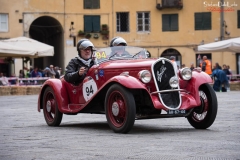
{"points": [[52, 115], [120, 109], [203, 116]]}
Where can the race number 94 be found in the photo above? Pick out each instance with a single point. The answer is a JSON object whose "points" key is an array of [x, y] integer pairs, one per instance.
{"points": [[89, 88]]}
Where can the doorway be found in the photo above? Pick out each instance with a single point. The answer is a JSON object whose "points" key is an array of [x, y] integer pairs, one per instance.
{"points": [[48, 30], [173, 52]]}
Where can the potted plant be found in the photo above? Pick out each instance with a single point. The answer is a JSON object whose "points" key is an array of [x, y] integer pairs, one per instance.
{"points": [[104, 27], [104, 32], [88, 35], [81, 33], [96, 36]]}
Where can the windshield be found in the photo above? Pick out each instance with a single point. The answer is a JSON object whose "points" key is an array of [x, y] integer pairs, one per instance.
{"points": [[120, 52]]}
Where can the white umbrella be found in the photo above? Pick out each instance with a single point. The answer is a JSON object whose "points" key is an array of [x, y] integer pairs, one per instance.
{"points": [[41, 49], [7, 50], [230, 45]]}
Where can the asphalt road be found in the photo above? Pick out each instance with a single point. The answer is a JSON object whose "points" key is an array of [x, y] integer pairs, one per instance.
{"points": [[24, 135]]}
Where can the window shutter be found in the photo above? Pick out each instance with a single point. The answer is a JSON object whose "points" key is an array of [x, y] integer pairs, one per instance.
{"points": [[88, 24], [165, 23], [87, 4], [207, 24], [174, 22], [238, 18], [95, 4], [96, 23], [198, 21]]}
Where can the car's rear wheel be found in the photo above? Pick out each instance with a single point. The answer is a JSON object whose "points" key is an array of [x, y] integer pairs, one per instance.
{"points": [[120, 109], [203, 116], [52, 115]]}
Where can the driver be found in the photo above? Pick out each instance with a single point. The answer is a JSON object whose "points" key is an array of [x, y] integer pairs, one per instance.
{"points": [[77, 68]]}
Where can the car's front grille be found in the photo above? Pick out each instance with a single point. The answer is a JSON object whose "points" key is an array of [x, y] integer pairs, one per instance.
{"points": [[162, 72]]}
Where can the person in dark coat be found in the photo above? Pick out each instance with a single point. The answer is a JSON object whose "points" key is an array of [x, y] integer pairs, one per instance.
{"points": [[220, 79], [77, 68]]}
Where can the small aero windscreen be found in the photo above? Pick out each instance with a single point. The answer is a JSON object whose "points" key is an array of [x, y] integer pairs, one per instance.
{"points": [[120, 52]]}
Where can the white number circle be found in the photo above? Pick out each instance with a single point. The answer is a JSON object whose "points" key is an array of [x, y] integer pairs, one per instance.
{"points": [[89, 88]]}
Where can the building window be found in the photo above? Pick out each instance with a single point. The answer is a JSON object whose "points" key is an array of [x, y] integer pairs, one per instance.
{"points": [[91, 4], [92, 23], [143, 21], [238, 18], [122, 22], [3, 22], [203, 21], [170, 22]]}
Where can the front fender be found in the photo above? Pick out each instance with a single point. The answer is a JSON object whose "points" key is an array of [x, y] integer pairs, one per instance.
{"points": [[60, 93], [128, 82], [192, 86]]}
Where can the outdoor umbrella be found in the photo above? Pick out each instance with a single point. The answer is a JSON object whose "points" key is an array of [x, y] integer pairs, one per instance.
{"points": [[7, 50], [40, 49], [230, 45]]}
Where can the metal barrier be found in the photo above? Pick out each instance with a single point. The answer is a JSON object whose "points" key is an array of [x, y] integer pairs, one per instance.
{"points": [[8, 81], [234, 77]]}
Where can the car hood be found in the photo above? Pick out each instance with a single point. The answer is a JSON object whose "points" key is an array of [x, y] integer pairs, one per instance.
{"points": [[135, 63]]}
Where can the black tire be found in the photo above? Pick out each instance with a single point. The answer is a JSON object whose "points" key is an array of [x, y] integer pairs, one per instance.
{"points": [[120, 109], [203, 116], [52, 115]]}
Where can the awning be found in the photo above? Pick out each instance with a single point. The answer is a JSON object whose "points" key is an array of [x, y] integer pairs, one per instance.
{"points": [[230, 45]]}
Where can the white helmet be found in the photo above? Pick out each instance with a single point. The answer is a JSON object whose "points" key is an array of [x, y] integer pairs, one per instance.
{"points": [[117, 40], [83, 44]]}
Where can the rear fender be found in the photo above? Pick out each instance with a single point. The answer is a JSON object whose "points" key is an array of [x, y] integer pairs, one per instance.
{"points": [[60, 93], [198, 78]]}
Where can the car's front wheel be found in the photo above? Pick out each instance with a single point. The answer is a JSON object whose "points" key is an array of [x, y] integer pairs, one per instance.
{"points": [[52, 115], [120, 109], [203, 116]]}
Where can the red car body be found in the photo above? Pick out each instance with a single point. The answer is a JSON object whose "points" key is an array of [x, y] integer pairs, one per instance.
{"points": [[113, 86]]}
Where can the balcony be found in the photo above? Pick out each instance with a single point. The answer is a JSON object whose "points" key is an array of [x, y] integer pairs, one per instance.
{"points": [[170, 4]]}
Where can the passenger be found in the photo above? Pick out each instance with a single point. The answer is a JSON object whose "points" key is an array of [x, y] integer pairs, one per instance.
{"points": [[117, 50], [77, 68], [118, 41]]}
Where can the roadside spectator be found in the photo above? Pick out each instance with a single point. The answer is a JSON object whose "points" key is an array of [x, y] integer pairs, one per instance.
{"points": [[35, 73], [220, 79], [228, 67], [206, 66], [12, 79], [192, 66], [225, 69], [3, 79], [49, 72], [40, 72], [173, 60], [56, 69]]}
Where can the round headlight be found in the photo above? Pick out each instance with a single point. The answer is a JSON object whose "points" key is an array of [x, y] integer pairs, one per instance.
{"points": [[145, 76], [186, 73], [173, 82]]}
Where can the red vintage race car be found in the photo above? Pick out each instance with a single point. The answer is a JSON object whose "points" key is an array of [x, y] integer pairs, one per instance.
{"points": [[131, 86]]}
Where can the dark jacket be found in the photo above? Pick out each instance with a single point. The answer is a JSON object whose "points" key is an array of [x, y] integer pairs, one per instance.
{"points": [[72, 69], [220, 75]]}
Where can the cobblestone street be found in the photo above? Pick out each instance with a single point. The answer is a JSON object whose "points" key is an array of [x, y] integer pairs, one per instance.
{"points": [[25, 135]]}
